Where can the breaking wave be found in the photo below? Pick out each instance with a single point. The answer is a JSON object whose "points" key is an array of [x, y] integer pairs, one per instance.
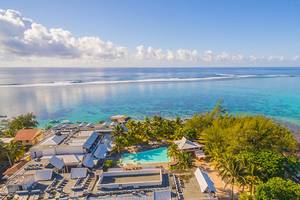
{"points": [[151, 80]]}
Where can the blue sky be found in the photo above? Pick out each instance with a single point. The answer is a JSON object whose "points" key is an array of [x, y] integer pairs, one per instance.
{"points": [[267, 30]]}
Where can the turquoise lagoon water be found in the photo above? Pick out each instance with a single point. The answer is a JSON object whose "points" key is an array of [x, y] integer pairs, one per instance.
{"points": [[158, 155], [91, 94]]}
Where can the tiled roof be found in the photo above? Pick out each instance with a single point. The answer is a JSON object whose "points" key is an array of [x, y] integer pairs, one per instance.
{"points": [[27, 134], [10, 171]]}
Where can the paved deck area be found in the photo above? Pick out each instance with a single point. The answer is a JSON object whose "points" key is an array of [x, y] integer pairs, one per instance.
{"points": [[222, 192], [191, 191], [131, 178]]}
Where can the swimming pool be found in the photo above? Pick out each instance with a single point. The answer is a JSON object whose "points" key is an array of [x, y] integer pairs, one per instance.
{"points": [[158, 155]]}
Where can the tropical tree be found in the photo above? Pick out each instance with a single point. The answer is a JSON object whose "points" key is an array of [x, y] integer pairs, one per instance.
{"points": [[178, 122], [232, 172], [118, 130], [108, 164], [251, 178], [3, 153], [173, 151], [21, 122], [218, 110], [278, 188], [120, 143], [268, 164], [257, 133], [184, 161], [13, 151]]}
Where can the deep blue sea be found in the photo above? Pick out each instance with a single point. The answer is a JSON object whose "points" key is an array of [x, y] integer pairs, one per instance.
{"points": [[93, 94]]}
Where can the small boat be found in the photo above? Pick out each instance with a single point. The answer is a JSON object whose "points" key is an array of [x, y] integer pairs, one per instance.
{"points": [[3, 116]]}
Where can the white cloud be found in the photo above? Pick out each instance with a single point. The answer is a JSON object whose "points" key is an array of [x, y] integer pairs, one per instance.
{"points": [[296, 58], [207, 56], [276, 58], [150, 53], [187, 55], [227, 57], [23, 37]]}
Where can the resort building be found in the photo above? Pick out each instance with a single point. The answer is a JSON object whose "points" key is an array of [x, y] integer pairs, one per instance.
{"points": [[71, 154], [64, 151], [39, 181], [29, 136], [23, 182]]}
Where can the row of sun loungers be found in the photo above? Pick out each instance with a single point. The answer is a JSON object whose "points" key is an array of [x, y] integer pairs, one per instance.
{"points": [[82, 183], [178, 187], [33, 167], [55, 189]]}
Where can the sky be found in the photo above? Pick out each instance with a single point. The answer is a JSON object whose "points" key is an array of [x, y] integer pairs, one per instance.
{"points": [[104, 33]]}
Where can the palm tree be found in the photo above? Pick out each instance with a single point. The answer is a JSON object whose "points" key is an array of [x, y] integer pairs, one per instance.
{"points": [[173, 151], [251, 179], [232, 172], [14, 151], [178, 121], [118, 130], [3, 152], [120, 144], [184, 160]]}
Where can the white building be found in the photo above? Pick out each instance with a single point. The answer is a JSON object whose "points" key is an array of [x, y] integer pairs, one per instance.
{"points": [[65, 144]]}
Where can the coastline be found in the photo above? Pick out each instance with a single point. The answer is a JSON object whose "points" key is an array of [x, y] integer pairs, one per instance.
{"points": [[295, 129]]}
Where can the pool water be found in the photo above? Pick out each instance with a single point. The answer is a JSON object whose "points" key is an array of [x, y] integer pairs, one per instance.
{"points": [[158, 155]]}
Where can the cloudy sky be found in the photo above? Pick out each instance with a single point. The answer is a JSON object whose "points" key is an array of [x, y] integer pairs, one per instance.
{"points": [[149, 33]]}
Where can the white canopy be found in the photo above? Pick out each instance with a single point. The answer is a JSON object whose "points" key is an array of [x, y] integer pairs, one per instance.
{"points": [[185, 144], [56, 162], [43, 174], [78, 173], [205, 183]]}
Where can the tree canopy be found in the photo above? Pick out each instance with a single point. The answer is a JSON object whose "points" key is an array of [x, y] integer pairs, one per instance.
{"points": [[278, 188]]}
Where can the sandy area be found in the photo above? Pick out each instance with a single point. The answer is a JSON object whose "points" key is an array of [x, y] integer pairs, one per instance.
{"points": [[222, 193]]}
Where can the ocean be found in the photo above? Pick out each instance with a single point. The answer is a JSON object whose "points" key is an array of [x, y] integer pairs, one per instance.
{"points": [[93, 94]]}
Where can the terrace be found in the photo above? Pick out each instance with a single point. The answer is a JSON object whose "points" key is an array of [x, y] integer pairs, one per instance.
{"points": [[123, 179]]}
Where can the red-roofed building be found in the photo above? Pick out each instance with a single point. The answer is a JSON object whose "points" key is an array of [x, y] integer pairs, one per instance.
{"points": [[29, 136]]}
